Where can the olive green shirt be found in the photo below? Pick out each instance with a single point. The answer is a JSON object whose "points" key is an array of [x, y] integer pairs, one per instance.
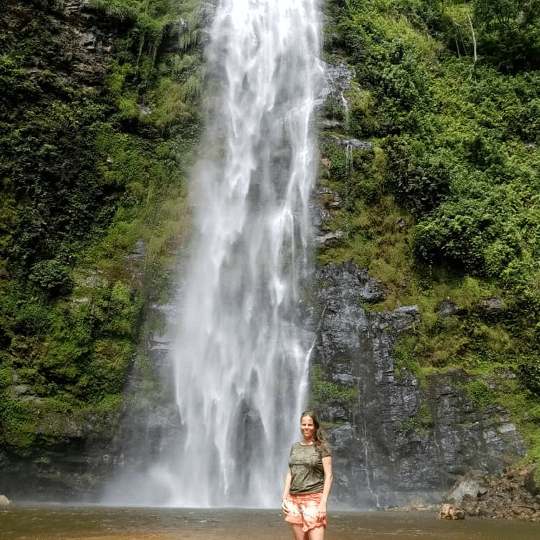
{"points": [[307, 471]]}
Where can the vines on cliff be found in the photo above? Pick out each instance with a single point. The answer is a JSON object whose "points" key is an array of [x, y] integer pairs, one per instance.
{"points": [[444, 209], [99, 118]]}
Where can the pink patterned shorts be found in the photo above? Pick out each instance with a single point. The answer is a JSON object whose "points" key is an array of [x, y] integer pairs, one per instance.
{"points": [[302, 510]]}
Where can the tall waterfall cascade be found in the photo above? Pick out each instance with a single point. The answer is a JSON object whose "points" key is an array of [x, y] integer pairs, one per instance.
{"points": [[240, 362]]}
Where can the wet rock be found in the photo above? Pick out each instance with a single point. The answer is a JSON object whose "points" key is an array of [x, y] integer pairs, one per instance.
{"points": [[323, 206], [329, 239], [329, 123], [402, 318], [347, 281], [448, 511], [398, 440], [353, 144], [338, 80], [448, 308]]}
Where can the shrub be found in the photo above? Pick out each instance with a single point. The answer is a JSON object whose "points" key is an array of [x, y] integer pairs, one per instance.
{"points": [[529, 374], [52, 276], [479, 392], [419, 179]]}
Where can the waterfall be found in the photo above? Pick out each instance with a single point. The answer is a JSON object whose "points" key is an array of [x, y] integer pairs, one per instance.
{"points": [[239, 356], [240, 362]]}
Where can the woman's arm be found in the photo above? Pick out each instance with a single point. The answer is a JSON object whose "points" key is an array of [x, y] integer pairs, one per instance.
{"points": [[286, 491], [328, 478], [287, 484]]}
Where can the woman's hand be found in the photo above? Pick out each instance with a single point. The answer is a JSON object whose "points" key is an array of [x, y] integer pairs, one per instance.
{"points": [[321, 511], [285, 506]]}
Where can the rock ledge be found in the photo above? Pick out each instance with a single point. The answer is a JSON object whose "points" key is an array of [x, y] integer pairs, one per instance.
{"points": [[512, 494]]}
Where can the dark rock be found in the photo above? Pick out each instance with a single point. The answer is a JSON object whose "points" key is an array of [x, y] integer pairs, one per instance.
{"points": [[347, 281], [530, 485], [353, 144], [399, 441], [338, 80], [172, 35], [448, 308]]}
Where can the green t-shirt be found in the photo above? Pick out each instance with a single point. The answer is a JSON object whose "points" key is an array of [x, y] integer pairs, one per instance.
{"points": [[307, 471]]}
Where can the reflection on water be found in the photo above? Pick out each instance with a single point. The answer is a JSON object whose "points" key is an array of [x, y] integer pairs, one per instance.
{"points": [[90, 522]]}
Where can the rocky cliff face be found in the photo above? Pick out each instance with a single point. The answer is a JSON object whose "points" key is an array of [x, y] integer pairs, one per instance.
{"points": [[394, 438], [397, 440], [81, 45]]}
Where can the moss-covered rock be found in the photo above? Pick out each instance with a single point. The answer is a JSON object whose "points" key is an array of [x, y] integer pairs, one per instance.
{"points": [[99, 115]]}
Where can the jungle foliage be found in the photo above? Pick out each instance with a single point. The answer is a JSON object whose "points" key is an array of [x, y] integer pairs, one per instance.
{"points": [[445, 208], [92, 201]]}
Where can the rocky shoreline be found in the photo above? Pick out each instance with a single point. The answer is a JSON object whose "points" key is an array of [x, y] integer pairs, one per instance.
{"points": [[512, 494]]}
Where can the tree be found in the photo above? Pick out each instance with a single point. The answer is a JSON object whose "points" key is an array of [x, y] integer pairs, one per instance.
{"points": [[511, 32]]}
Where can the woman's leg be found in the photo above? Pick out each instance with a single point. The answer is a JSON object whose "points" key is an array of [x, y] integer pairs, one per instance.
{"points": [[316, 534], [298, 533]]}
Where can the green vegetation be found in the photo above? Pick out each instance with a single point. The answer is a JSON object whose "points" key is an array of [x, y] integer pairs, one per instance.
{"points": [[325, 393], [93, 201], [444, 209], [421, 422]]}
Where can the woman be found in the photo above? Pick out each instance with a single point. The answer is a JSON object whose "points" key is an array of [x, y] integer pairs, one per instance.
{"points": [[308, 481]]}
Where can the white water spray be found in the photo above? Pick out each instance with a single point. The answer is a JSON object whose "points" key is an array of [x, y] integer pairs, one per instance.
{"points": [[240, 363], [240, 358]]}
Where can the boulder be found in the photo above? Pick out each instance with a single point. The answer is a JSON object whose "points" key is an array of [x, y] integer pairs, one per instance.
{"points": [[449, 511], [469, 485], [513, 494]]}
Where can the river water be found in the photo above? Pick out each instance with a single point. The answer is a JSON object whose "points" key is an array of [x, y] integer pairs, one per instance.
{"points": [[91, 522]]}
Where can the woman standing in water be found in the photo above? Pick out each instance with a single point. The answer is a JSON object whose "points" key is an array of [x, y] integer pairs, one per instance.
{"points": [[308, 481]]}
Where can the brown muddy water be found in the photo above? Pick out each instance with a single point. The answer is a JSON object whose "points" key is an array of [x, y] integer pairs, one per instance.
{"points": [[92, 522]]}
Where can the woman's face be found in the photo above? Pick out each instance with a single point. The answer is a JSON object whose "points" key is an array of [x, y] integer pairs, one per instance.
{"points": [[307, 427]]}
